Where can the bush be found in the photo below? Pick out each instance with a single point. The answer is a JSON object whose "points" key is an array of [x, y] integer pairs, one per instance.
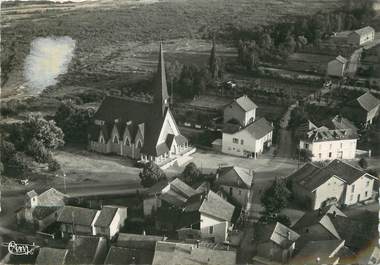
{"points": [[363, 163], [276, 197], [16, 165], [151, 174], [53, 165], [38, 151], [7, 151], [191, 174], [269, 218]]}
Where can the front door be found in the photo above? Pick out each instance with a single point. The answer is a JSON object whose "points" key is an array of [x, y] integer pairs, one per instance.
{"points": [[358, 197]]}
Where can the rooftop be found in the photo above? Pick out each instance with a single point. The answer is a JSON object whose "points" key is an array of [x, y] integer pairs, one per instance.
{"points": [[277, 233], [235, 176], [258, 129], [325, 250], [85, 250], [106, 216], [364, 30], [245, 103], [186, 254], [368, 102], [77, 215], [216, 206], [48, 256]]}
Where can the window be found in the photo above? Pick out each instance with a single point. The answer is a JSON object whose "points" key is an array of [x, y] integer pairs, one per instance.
{"points": [[115, 139], [352, 188], [211, 229], [139, 144], [351, 197], [367, 184], [126, 142], [235, 140], [101, 139], [241, 141], [306, 146], [366, 194], [341, 145], [330, 154], [320, 155]]}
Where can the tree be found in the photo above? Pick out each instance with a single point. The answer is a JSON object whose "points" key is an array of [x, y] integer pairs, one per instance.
{"points": [[17, 165], [275, 198], [73, 121], [151, 174], [191, 174], [270, 218], [363, 163], [213, 63], [53, 165], [305, 155], [7, 151], [38, 151]]}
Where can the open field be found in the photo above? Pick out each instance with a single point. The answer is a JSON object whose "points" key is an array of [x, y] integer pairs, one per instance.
{"points": [[105, 32]]}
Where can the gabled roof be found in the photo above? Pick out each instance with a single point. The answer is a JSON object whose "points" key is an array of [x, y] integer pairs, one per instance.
{"points": [[31, 194], [49, 256], [245, 103], [326, 250], [77, 215], [126, 240], [41, 212], [341, 59], [168, 253], [216, 206], [339, 123], [276, 233], [364, 31], [106, 216], [235, 176], [368, 102], [258, 129], [120, 255], [323, 134], [51, 197], [177, 193], [86, 250], [345, 171]]}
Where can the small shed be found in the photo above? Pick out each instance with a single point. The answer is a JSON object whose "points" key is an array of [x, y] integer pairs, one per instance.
{"points": [[337, 66]]}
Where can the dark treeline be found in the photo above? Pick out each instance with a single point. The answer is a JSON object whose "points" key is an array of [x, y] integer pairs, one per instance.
{"points": [[279, 40]]}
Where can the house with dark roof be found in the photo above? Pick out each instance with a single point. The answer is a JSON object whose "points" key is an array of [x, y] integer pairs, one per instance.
{"points": [[49, 256], [337, 67], [170, 253], [364, 109], [110, 220], [236, 182], [133, 249], [140, 130], [361, 36], [178, 207], [42, 209], [86, 250], [275, 242], [338, 182]]}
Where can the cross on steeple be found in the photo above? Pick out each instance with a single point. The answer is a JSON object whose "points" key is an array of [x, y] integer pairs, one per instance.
{"points": [[160, 93]]}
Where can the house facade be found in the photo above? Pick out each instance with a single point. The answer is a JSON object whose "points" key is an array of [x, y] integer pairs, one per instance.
{"points": [[338, 182], [243, 135], [361, 36], [329, 144], [337, 67], [139, 130], [110, 220], [236, 182]]}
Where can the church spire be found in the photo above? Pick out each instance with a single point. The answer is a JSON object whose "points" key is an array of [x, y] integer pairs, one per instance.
{"points": [[160, 93]]}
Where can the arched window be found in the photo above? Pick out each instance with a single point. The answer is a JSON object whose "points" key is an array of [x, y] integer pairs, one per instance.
{"points": [[101, 139], [115, 139], [127, 142], [139, 144]]}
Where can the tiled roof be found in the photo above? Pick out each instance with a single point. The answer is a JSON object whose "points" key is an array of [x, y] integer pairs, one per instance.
{"points": [[235, 176], [86, 250], [106, 216], [277, 233], [339, 123], [49, 256], [138, 241], [368, 102], [31, 194], [364, 31], [323, 134], [345, 171], [245, 103], [216, 206], [51, 197], [77, 215], [120, 256], [258, 129], [41, 212], [168, 253], [181, 187], [324, 249], [178, 193]]}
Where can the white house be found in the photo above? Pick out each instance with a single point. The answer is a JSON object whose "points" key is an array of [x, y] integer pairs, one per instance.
{"points": [[110, 220], [236, 182], [338, 181], [240, 111], [361, 36], [329, 144], [337, 66]]}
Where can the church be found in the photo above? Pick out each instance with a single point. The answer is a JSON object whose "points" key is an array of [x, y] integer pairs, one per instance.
{"points": [[140, 130]]}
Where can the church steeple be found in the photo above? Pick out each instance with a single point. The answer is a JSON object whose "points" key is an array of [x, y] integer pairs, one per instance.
{"points": [[160, 93]]}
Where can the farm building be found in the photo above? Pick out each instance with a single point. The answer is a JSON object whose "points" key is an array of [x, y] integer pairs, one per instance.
{"points": [[361, 36], [337, 66], [364, 109], [145, 131], [243, 135]]}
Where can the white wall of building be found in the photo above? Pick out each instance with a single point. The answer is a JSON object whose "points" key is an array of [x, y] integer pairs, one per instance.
{"points": [[360, 190], [239, 194], [219, 230], [333, 188], [335, 68], [329, 150]]}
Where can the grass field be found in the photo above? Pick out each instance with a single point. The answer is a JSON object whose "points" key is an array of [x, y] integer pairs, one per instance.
{"points": [[116, 39]]}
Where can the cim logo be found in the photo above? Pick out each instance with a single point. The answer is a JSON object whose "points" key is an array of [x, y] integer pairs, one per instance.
{"points": [[20, 249]]}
